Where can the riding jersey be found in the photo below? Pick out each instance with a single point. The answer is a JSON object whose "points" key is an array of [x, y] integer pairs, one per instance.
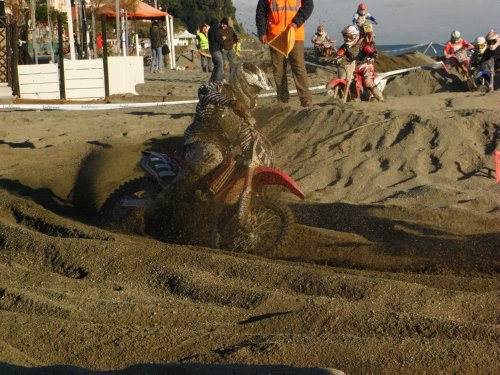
{"points": [[451, 47], [215, 120]]}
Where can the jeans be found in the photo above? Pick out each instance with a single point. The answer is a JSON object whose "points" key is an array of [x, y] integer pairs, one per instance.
{"points": [[230, 57], [156, 60], [218, 72], [206, 62]]}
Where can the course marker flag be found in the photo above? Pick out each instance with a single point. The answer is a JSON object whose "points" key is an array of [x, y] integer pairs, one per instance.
{"points": [[284, 42]]}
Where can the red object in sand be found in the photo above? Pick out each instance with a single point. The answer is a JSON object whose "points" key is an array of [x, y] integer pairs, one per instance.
{"points": [[497, 164]]}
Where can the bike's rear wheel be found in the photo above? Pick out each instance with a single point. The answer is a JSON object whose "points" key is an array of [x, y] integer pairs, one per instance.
{"points": [[268, 229], [124, 209]]}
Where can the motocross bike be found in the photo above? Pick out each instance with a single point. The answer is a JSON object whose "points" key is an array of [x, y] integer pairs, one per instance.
{"points": [[325, 49], [242, 216], [460, 61], [350, 88], [484, 78]]}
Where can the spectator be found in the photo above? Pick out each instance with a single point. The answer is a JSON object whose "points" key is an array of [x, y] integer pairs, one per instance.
{"points": [[204, 51], [156, 43], [215, 45], [230, 38], [272, 22]]}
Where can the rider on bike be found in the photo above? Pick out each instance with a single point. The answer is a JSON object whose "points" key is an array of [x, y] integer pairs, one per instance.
{"points": [[491, 57], [356, 48], [222, 122], [455, 44], [321, 41], [360, 19], [479, 49], [361, 15]]}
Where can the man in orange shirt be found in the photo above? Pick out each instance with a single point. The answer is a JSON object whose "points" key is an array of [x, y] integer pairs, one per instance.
{"points": [[272, 18]]}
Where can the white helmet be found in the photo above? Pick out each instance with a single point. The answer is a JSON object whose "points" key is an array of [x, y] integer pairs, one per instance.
{"points": [[493, 40], [455, 36], [480, 43], [350, 35], [247, 80]]}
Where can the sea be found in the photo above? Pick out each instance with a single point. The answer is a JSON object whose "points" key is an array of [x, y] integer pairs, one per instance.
{"points": [[430, 49]]}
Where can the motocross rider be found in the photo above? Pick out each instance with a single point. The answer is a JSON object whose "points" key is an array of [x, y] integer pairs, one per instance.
{"points": [[479, 49], [455, 44], [321, 41], [359, 20], [361, 15], [491, 56], [222, 122], [356, 48]]}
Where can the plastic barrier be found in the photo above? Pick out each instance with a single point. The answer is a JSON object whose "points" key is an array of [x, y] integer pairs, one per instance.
{"points": [[97, 107]]}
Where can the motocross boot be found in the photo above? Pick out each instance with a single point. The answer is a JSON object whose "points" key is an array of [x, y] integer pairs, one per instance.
{"points": [[377, 94]]}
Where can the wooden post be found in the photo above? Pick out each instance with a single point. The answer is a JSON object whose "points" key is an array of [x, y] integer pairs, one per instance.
{"points": [[105, 55], [62, 82]]}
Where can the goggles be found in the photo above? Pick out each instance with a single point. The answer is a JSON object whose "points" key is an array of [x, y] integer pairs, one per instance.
{"points": [[491, 42], [480, 46]]}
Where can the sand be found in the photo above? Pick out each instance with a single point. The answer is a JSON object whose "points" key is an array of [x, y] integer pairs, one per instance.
{"points": [[393, 267]]}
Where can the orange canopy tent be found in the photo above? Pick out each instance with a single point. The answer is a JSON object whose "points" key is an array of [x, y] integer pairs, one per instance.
{"points": [[143, 11]]}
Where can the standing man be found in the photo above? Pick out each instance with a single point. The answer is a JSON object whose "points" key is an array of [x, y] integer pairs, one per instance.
{"points": [[230, 38], [215, 46], [272, 18], [156, 43], [202, 45]]}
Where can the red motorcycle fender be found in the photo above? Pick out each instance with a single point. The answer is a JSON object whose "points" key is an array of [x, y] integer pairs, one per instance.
{"points": [[262, 176], [335, 82], [269, 176]]}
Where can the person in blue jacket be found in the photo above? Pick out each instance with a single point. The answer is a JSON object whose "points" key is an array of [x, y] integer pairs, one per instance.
{"points": [[361, 15]]}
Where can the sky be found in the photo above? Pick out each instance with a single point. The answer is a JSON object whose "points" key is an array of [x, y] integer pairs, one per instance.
{"points": [[400, 22]]}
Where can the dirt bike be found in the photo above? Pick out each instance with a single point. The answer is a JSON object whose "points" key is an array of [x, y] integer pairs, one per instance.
{"points": [[351, 88], [484, 78], [460, 61], [325, 49], [366, 31], [243, 217]]}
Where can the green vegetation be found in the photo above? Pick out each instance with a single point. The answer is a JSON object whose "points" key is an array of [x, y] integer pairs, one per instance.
{"points": [[193, 13]]}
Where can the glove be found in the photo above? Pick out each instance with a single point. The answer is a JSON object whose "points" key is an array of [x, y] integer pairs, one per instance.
{"points": [[241, 109], [263, 39]]}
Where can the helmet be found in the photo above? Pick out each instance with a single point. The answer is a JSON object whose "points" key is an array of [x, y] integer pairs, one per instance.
{"points": [[350, 35], [455, 36], [480, 42], [320, 29], [361, 9], [493, 40], [247, 80]]}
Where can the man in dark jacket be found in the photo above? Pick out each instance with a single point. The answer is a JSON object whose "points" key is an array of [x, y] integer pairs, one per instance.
{"points": [[230, 38], [270, 23], [215, 44], [155, 35]]}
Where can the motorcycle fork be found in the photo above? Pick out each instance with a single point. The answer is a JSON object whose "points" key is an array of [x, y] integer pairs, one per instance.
{"points": [[246, 197]]}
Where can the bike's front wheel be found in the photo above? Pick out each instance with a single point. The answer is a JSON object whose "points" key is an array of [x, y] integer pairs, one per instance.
{"points": [[125, 208], [267, 228]]}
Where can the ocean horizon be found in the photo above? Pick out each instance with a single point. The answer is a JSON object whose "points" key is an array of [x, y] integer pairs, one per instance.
{"points": [[435, 49]]}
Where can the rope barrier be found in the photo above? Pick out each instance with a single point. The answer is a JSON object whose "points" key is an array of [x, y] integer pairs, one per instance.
{"points": [[98, 107], [407, 48]]}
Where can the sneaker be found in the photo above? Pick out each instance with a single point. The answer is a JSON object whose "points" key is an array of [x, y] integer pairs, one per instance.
{"points": [[283, 100], [306, 103]]}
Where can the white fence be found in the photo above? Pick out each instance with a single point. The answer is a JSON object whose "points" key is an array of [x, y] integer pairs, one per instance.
{"points": [[84, 79]]}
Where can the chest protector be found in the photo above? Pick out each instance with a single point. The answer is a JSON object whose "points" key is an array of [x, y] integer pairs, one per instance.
{"points": [[281, 15]]}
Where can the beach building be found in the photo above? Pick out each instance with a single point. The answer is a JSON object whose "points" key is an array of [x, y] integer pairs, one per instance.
{"points": [[184, 38]]}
